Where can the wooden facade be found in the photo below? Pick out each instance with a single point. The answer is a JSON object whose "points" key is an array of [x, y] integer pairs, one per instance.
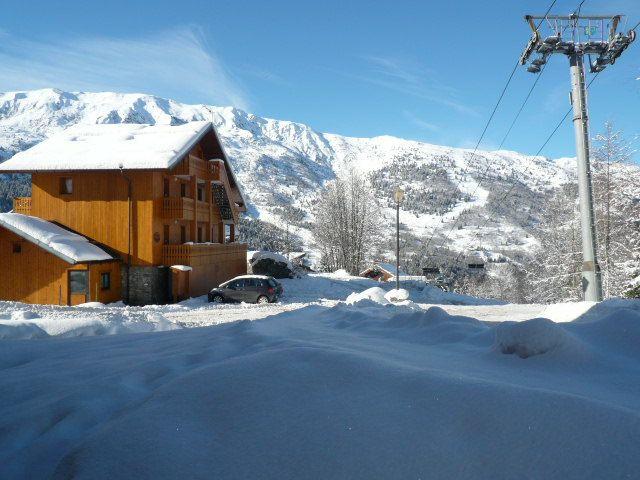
{"points": [[186, 215], [33, 275]]}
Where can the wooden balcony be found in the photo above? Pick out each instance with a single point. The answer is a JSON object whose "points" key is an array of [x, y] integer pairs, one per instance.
{"points": [[22, 205], [203, 169], [198, 254], [179, 208]]}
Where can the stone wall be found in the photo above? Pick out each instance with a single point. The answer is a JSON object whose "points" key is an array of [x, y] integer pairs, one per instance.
{"points": [[149, 285]]}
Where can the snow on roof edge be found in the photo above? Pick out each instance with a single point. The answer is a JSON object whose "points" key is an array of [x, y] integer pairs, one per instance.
{"points": [[79, 240]]}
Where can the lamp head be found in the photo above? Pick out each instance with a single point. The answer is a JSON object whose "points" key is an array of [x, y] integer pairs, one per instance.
{"points": [[398, 195]]}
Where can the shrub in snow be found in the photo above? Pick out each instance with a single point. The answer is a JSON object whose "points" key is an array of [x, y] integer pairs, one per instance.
{"points": [[271, 264], [529, 338], [373, 294], [395, 295]]}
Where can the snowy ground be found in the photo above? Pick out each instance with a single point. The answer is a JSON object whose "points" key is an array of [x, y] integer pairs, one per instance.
{"points": [[316, 387]]}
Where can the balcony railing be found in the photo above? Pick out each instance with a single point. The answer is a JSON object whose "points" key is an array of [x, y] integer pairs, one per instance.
{"points": [[22, 205], [180, 208], [197, 254], [198, 167]]}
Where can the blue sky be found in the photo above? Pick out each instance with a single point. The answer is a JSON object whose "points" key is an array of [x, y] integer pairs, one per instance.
{"points": [[423, 70]]}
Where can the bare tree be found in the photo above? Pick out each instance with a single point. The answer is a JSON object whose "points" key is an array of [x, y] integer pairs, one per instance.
{"points": [[615, 193], [345, 221]]}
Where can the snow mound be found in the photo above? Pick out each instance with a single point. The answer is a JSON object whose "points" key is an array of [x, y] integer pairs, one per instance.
{"points": [[21, 331], [341, 273], [373, 294], [406, 322], [433, 295], [28, 325], [532, 337], [396, 295], [21, 315]]}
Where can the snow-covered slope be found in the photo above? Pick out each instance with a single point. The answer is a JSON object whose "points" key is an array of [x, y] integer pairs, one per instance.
{"points": [[281, 163]]}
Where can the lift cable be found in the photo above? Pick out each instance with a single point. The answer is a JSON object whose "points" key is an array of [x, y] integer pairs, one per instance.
{"points": [[513, 185], [486, 126]]}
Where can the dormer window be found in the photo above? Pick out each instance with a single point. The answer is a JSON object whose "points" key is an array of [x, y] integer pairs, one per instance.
{"points": [[66, 186]]}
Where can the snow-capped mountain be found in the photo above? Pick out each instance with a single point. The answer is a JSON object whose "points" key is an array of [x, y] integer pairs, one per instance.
{"points": [[284, 164]]}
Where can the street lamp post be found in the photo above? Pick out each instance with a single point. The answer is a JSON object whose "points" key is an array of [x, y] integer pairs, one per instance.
{"points": [[398, 195]]}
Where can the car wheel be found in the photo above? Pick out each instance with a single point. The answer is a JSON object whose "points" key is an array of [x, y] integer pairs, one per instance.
{"points": [[217, 299], [263, 299]]}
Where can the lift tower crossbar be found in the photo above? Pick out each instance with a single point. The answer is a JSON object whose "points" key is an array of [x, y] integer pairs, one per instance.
{"points": [[576, 36]]}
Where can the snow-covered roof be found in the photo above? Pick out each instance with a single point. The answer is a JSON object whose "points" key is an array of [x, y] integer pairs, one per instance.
{"points": [[109, 147], [62, 243]]}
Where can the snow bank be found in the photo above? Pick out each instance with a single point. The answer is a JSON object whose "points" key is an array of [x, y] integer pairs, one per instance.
{"points": [[433, 295], [354, 391], [532, 337], [396, 295], [374, 294], [81, 321]]}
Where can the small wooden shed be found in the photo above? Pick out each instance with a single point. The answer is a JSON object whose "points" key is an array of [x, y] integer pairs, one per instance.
{"points": [[42, 262], [381, 271]]}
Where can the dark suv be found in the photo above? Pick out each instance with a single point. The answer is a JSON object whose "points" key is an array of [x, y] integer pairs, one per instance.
{"points": [[247, 288]]}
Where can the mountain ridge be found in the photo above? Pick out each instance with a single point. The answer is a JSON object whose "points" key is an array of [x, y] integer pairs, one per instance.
{"points": [[283, 164]]}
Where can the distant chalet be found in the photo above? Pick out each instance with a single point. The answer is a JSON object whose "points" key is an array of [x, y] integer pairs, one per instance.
{"points": [[113, 208]]}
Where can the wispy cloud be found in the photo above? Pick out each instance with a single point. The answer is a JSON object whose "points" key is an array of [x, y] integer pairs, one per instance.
{"points": [[264, 74], [168, 63], [413, 79], [419, 122]]}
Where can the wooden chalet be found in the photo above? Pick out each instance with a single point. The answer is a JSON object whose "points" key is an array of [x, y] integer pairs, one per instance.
{"points": [[382, 272], [152, 197]]}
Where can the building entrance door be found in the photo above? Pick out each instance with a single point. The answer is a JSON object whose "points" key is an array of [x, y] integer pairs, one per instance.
{"points": [[78, 286]]}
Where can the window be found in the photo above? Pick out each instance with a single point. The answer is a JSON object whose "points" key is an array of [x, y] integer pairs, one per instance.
{"points": [[66, 186], [166, 187], [183, 189], [165, 234], [17, 247], [183, 234], [105, 280], [251, 282], [78, 281], [200, 194], [227, 233], [199, 234]]}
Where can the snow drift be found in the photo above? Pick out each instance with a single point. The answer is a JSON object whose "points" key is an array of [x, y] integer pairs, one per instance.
{"points": [[366, 390]]}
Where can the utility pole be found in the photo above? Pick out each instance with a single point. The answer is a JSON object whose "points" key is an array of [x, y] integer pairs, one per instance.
{"points": [[398, 196], [576, 36]]}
